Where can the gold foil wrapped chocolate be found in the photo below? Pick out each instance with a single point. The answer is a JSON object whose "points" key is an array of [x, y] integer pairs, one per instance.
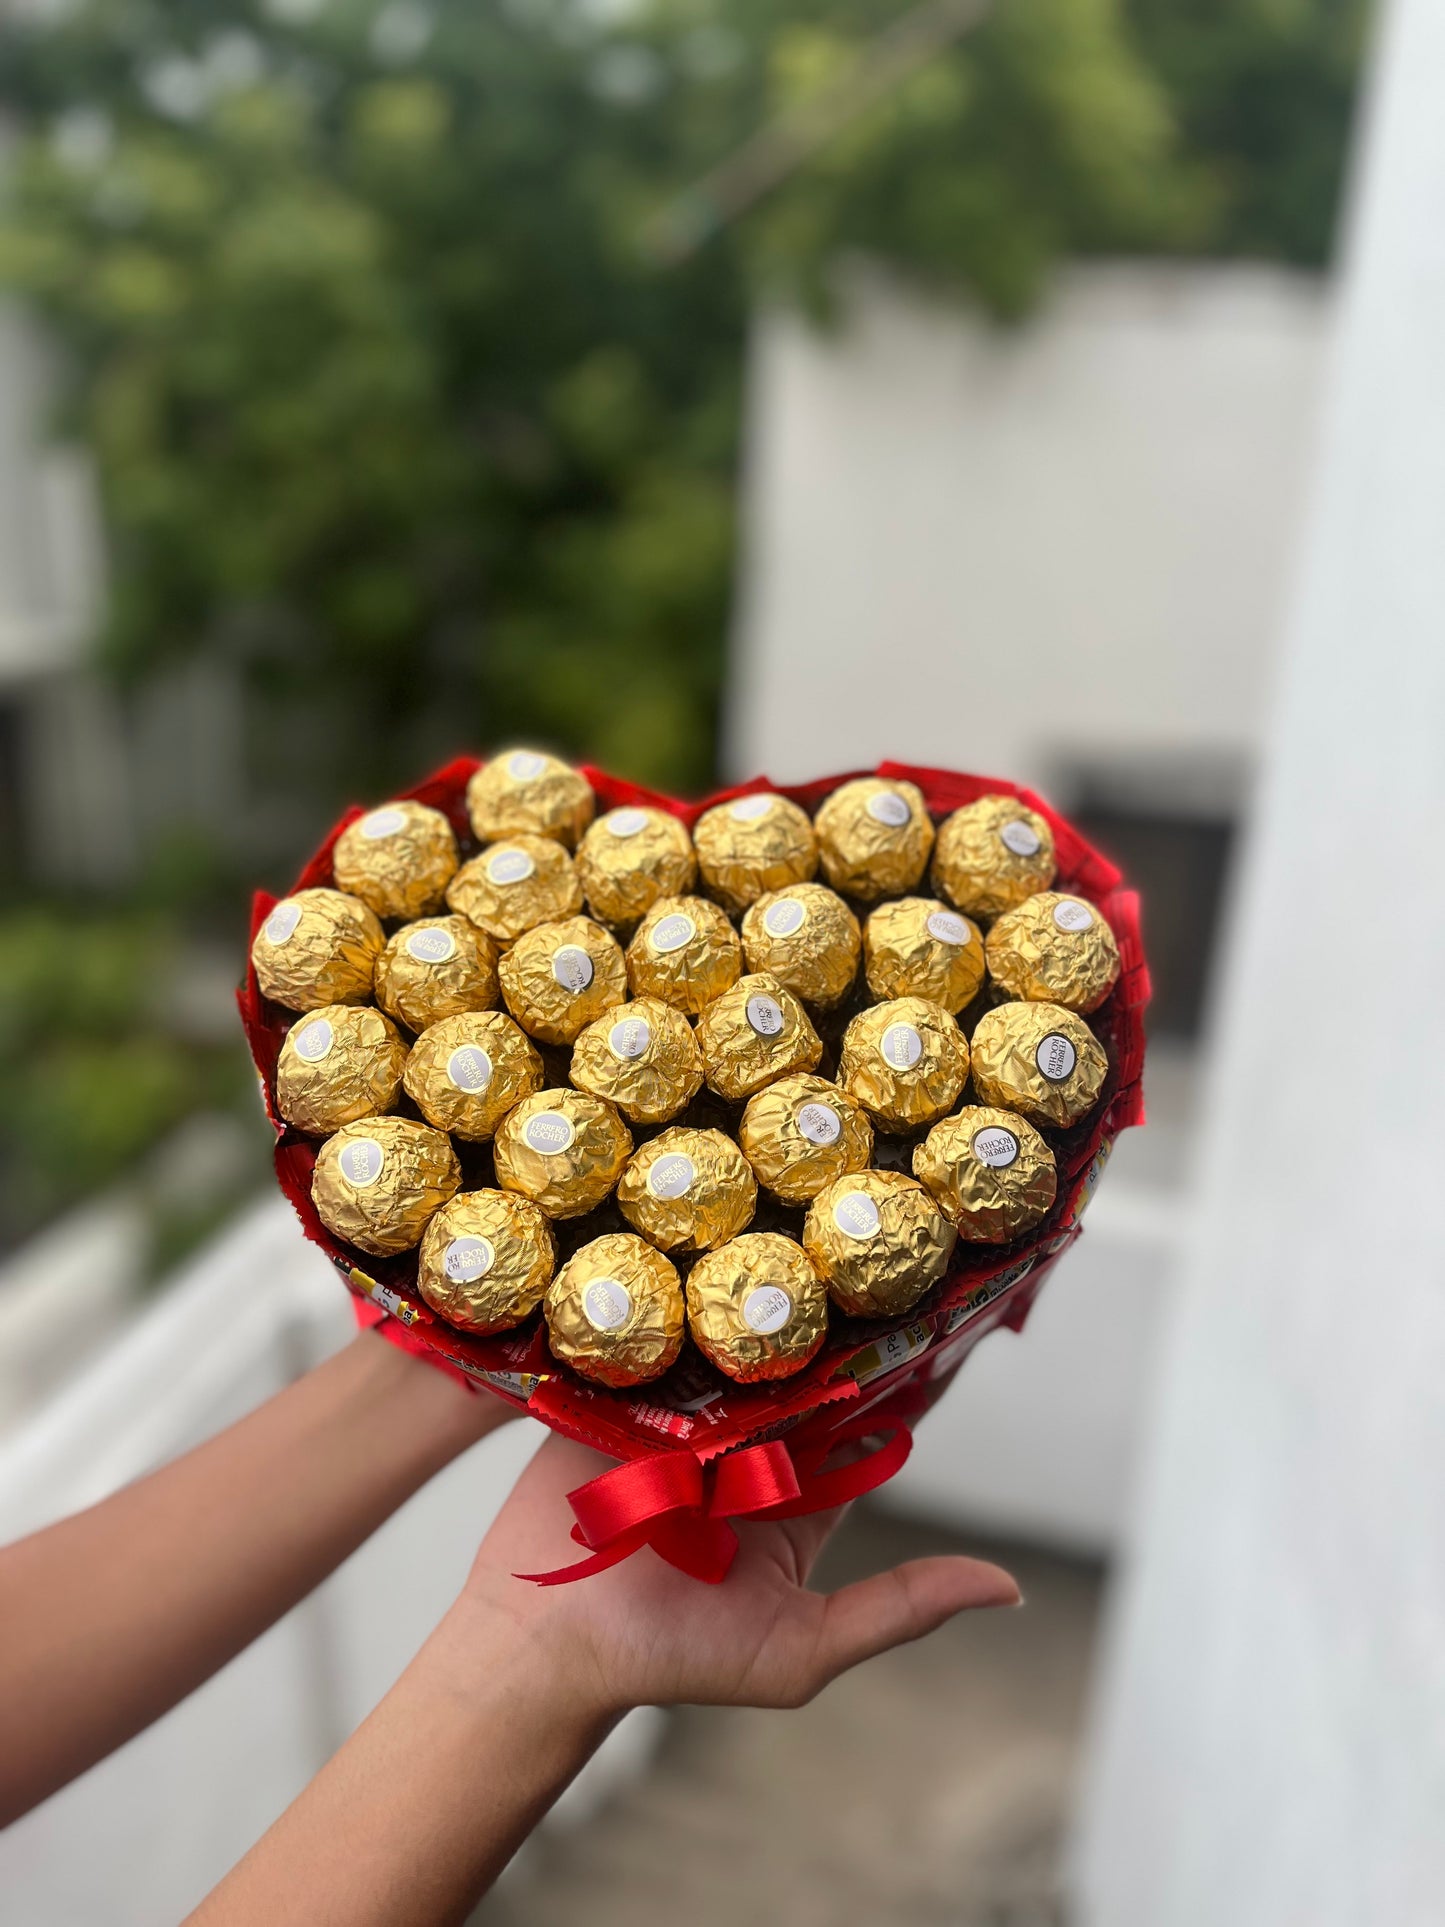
{"points": [[878, 1241], [336, 1065], [562, 1149], [561, 977], [437, 968], [874, 836], [688, 1190], [486, 1260], [378, 1181], [808, 938], [752, 845], [631, 857], [989, 1171], [756, 1307], [317, 947], [466, 1072], [643, 1058], [398, 859], [1054, 949], [991, 854], [918, 947], [753, 1034], [526, 790], [1039, 1059], [685, 952], [905, 1061], [515, 885], [615, 1311], [801, 1133]]}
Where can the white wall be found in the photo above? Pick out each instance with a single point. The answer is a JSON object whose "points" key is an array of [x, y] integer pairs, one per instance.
{"points": [[1007, 549], [1271, 1749]]}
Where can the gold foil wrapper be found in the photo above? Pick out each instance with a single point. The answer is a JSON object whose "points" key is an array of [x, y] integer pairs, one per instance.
{"points": [[1054, 949], [905, 1061], [517, 884], [336, 1065], [688, 1190], [753, 1034], [643, 1058], [989, 1171], [991, 854], [561, 977], [1039, 1059], [562, 1149], [378, 1181], [486, 1260], [752, 845], [918, 947], [757, 1308], [685, 952], [631, 857], [398, 859], [878, 1241], [437, 968], [317, 947], [801, 1133], [874, 836], [526, 790], [615, 1311], [466, 1072], [808, 938]]}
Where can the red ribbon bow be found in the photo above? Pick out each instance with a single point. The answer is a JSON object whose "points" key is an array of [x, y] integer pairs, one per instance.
{"points": [[681, 1505]]}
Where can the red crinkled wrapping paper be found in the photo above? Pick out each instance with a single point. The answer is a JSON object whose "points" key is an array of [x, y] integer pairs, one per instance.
{"points": [[693, 1419]]}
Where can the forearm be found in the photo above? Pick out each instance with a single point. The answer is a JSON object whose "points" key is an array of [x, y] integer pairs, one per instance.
{"points": [[114, 1615], [422, 1808]]}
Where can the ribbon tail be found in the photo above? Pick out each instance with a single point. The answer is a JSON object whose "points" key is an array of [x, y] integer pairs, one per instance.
{"points": [[600, 1559]]}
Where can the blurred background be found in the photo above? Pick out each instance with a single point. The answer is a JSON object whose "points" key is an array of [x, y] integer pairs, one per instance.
{"points": [[703, 387]]}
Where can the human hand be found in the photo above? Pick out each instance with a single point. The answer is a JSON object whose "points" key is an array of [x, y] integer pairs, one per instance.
{"points": [[643, 1633]]}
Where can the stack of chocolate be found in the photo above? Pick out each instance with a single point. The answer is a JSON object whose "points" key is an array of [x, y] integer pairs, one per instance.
{"points": [[731, 1083]]}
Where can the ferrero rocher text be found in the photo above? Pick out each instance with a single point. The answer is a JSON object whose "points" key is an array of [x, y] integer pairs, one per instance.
{"points": [[756, 1307], [317, 947], [991, 854], [874, 836], [1054, 949], [878, 1241], [378, 1181], [515, 885], [563, 1149], [561, 977], [436, 968], [336, 1065], [989, 1171], [905, 1061], [642, 1057], [801, 1133], [688, 1190], [754, 1034], [806, 937], [486, 1260], [467, 1072], [685, 952], [918, 947], [1040, 1059], [615, 1311]]}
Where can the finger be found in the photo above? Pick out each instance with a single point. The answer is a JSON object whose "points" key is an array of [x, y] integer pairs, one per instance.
{"points": [[874, 1615]]}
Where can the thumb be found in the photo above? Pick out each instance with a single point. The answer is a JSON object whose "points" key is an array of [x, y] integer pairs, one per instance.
{"points": [[874, 1615]]}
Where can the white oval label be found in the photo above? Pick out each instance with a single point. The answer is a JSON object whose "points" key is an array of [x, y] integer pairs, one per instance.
{"points": [[361, 1161], [785, 918], [995, 1147], [766, 1309], [606, 1304], [549, 1132], [572, 967], [382, 823], [1020, 837], [314, 1040], [901, 1046], [948, 928], [857, 1215], [525, 765], [509, 866], [748, 809], [431, 946], [671, 933], [627, 822], [1056, 1057], [1070, 914], [630, 1037], [820, 1124], [466, 1259], [671, 1176], [282, 921], [470, 1069], [890, 809], [765, 1015]]}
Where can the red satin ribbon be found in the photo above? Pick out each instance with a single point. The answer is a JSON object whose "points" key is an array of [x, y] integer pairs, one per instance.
{"points": [[680, 1505]]}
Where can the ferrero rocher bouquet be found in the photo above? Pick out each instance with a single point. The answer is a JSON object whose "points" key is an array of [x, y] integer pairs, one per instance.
{"points": [[683, 1123]]}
